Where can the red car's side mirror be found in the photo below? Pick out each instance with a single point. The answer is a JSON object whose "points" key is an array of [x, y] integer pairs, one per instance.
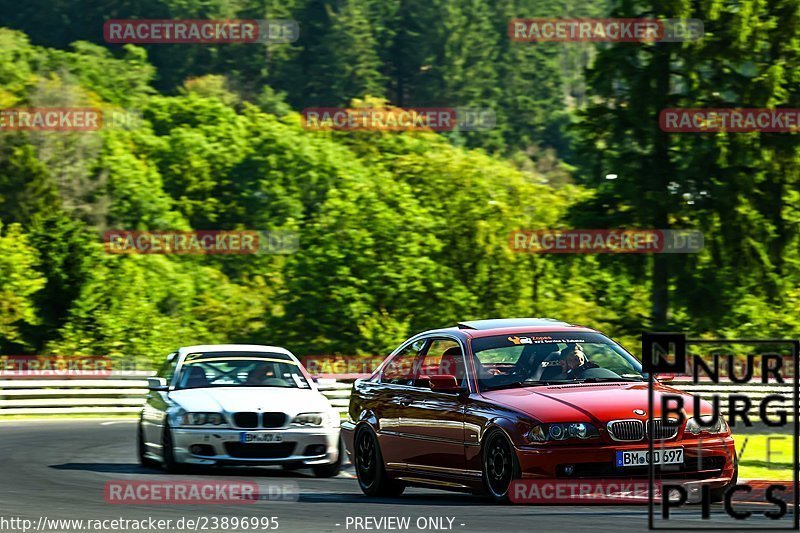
{"points": [[444, 383]]}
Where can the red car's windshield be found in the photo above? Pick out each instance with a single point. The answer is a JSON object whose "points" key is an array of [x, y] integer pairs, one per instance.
{"points": [[504, 361]]}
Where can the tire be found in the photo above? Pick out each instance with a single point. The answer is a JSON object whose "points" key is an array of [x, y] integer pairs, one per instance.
{"points": [[333, 469], [144, 460], [718, 495], [500, 465], [168, 451], [370, 470]]}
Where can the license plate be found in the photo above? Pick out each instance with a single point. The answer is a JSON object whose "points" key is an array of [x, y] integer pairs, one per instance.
{"points": [[260, 437], [665, 456]]}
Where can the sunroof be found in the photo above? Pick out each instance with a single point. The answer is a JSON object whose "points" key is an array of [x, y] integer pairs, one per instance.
{"points": [[510, 323]]}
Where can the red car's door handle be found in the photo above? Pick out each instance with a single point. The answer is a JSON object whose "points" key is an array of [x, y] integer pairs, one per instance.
{"points": [[405, 401]]}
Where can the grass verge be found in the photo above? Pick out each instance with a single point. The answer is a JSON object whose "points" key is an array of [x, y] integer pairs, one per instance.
{"points": [[764, 456]]}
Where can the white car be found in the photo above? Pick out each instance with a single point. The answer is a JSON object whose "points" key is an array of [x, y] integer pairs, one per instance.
{"points": [[238, 404]]}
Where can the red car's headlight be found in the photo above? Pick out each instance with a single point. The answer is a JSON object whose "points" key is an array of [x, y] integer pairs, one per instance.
{"points": [[719, 427], [568, 430]]}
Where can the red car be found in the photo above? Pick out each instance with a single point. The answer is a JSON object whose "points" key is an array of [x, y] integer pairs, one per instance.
{"points": [[479, 405]]}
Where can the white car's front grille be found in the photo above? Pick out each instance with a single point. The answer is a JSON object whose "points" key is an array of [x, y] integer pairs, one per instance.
{"points": [[252, 420]]}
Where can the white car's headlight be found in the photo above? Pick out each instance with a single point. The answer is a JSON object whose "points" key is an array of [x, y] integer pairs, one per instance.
{"points": [[720, 426], [310, 419], [202, 419]]}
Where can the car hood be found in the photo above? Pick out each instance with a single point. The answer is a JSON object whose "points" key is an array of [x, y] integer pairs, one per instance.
{"points": [[236, 399], [589, 402]]}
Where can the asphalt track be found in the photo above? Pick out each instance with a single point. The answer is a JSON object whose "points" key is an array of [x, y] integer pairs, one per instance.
{"points": [[59, 469]]}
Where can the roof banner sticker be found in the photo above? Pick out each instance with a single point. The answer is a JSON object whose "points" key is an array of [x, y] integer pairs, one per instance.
{"points": [[201, 358]]}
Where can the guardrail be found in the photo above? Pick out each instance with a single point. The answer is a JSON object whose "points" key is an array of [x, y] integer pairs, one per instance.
{"points": [[125, 394], [121, 394]]}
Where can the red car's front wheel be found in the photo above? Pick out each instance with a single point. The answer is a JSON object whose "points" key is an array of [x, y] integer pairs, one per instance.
{"points": [[500, 465]]}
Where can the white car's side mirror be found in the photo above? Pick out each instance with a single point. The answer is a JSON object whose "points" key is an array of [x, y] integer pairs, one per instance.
{"points": [[158, 384]]}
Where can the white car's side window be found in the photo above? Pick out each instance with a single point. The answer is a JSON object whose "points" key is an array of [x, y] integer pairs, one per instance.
{"points": [[167, 370]]}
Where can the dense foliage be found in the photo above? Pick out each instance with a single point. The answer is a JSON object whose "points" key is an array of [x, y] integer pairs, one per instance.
{"points": [[399, 232]]}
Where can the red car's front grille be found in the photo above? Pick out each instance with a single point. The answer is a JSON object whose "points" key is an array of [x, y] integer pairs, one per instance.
{"points": [[626, 430], [633, 430], [662, 431]]}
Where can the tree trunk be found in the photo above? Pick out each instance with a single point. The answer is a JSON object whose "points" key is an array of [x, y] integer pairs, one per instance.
{"points": [[659, 194]]}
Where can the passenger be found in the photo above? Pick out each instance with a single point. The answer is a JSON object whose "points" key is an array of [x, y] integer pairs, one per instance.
{"points": [[531, 359], [576, 361], [554, 368], [562, 360]]}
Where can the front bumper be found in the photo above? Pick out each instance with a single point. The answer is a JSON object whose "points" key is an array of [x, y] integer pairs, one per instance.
{"points": [[711, 460], [306, 446]]}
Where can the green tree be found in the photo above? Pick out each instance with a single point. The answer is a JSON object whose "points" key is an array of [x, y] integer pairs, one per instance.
{"points": [[732, 186], [20, 281]]}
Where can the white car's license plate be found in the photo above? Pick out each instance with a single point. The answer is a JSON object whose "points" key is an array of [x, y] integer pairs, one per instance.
{"points": [[248, 437], [663, 456]]}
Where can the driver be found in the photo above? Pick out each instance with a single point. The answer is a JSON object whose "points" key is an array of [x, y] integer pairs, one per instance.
{"points": [[576, 361], [259, 374]]}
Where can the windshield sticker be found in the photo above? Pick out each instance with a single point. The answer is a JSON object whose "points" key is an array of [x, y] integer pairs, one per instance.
{"points": [[299, 381], [540, 340], [530, 340]]}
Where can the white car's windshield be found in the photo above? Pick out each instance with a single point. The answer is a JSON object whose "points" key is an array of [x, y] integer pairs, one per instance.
{"points": [[240, 369]]}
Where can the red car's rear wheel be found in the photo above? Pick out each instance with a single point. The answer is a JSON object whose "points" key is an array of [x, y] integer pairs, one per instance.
{"points": [[369, 465]]}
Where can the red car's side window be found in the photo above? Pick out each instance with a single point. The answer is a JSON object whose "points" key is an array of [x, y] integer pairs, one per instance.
{"points": [[400, 369], [443, 357]]}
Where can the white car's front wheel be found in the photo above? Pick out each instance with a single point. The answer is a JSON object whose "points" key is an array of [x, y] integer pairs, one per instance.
{"points": [[333, 469], [168, 452], [141, 448]]}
